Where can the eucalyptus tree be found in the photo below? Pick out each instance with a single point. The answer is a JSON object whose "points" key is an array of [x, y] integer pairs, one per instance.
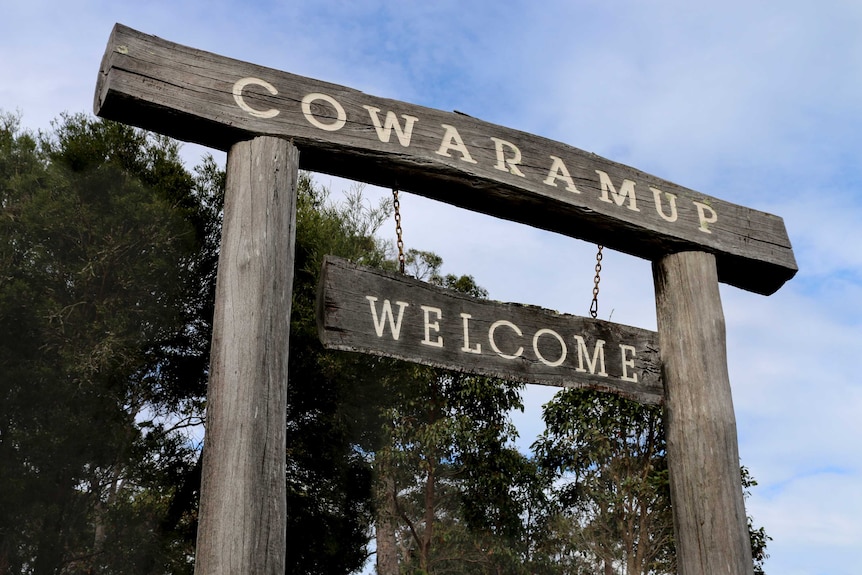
{"points": [[446, 468], [106, 243], [610, 511]]}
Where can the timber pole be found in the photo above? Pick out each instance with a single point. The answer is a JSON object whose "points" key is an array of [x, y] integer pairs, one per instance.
{"points": [[243, 515], [710, 524]]}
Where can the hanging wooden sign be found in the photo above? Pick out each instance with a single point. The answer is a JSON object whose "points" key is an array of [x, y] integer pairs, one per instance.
{"points": [[393, 315], [216, 101]]}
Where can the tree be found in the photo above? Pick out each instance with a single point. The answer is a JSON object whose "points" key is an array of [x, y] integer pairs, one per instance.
{"points": [[758, 536], [448, 469], [102, 357], [331, 396], [106, 298], [445, 467], [612, 496], [107, 274], [342, 405], [606, 459]]}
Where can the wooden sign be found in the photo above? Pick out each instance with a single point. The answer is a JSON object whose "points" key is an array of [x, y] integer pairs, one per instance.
{"points": [[392, 315], [216, 101], [272, 123]]}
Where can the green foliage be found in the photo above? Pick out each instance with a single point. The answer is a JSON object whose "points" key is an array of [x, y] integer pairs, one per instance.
{"points": [[758, 536], [102, 226], [611, 492], [447, 470], [107, 278], [330, 397], [606, 459]]}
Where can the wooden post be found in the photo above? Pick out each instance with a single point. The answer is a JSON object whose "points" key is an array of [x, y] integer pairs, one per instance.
{"points": [[710, 524], [243, 499]]}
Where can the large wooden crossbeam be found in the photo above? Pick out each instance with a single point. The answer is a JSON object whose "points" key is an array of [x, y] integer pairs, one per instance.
{"points": [[216, 101]]}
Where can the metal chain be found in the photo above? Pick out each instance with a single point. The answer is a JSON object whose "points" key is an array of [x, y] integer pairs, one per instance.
{"points": [[397, 205], [594, 307]]}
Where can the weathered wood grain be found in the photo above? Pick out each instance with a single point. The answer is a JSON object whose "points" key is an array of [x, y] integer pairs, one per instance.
{"points": [[202, 97], [702, 452], [243, 492], [500, 340]]}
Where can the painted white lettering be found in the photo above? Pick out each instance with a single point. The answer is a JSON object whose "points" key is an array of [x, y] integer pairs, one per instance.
{"points": [[507, 164], [240, 85], [705, 215], [671, 198], [384, 130], [627, 190], [598, 356], [559, 171], [627, 363], [340, 114], [465, 317], [452, 141], [493, 343], [386, 315], [429, 325], [563, 353]]}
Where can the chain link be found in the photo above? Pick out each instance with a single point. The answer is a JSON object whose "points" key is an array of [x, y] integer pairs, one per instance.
{"points": [[594, 306], [400, 242]]}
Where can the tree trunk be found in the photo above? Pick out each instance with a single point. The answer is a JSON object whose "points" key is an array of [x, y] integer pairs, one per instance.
{"points": [[385, 524], [430, 503]]}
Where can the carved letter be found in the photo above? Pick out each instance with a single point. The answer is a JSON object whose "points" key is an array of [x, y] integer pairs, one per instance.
{"points": [[562, 345], [705, 219], [559, 171], [384, 131], [380, 322], [503, 162], [493, 343], [671, 198], [237, 96], [466, 347], [429, 325], [598, 356], [627, 189], [624, 349], [452, 141], [340, 118]]}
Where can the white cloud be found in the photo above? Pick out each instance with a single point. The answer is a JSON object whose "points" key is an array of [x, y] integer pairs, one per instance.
{"points": [[823, 223], [798, 398], [813, 523]]}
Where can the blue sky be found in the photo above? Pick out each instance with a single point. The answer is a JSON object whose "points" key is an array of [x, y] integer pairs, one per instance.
{"points": [[757, 103]]}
